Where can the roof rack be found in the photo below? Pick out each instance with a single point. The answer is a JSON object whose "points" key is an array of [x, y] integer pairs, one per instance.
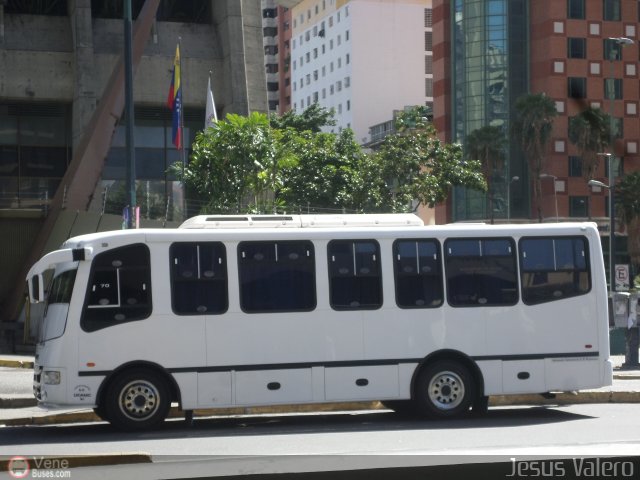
{"points": [[304, 221]]}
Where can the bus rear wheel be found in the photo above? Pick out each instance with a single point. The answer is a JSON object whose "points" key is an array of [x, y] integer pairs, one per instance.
{"points": [[444, 389], [137, 400]]}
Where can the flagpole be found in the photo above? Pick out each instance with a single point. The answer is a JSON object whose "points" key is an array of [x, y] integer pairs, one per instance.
{"points": [[129, 114], [181, 126]]}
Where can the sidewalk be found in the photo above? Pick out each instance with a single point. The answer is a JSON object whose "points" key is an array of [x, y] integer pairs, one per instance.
{"points": [[20, 408]]}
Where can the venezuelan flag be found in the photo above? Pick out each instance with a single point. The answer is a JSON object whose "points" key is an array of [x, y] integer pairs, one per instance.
{"points": [[174, 100]]}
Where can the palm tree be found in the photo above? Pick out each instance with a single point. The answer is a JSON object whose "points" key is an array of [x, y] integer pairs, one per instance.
{"points": [[589, 131], [487, 144], [628, 207], [532, 124]]}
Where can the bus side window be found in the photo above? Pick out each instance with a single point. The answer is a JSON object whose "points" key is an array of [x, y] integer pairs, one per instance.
{"points": [[418, 277], [553, 268], [119, 288], [277, 276], [355, 282], [481, 272], [198, 278]]}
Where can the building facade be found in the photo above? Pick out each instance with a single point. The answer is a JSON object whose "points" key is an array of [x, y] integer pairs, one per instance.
{"points": [[57, 61], [487, 53], [362, 58]]}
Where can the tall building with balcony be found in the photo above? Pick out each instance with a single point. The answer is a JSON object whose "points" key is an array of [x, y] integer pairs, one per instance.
{"points": [[487, 53], [362, 58]]}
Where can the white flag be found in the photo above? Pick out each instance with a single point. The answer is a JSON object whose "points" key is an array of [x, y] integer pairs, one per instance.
{"points": [[210, 117]]}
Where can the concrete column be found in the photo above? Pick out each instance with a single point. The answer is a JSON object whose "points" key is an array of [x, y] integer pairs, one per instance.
{"points": [[254, 56], [239, 22], [84, 94]]}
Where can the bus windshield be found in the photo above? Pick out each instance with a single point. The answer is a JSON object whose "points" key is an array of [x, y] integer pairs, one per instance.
{"points": [[57, 306]]}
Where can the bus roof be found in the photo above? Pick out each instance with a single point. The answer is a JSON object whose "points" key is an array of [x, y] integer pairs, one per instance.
{"points": [[304, 221]]}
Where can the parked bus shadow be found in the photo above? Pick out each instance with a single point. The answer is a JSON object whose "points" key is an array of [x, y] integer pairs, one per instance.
{"points": [[287, 424]]}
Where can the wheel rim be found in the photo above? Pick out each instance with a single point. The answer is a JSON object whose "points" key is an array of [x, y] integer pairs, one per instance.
{"points": [[139, 400], [446, 390]]}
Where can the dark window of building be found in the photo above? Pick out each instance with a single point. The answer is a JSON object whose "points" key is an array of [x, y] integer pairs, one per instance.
{"points": [[35, 149], [277, 276], [575, 166], [428, 64], [577, 87], [269, 13], [611, 10], [119, 288], [418, 273], [611, 50], [428, 41], [270, 31], [355, 281], [428, 18], [553, 268], [576, 47], [613, 88], [272, 68], [578, 206], [617, 125], [428, 87], [56, 8], [618, 166], [575, 9], [184, 11], [481, 272], [270, 49], [198, 278]]}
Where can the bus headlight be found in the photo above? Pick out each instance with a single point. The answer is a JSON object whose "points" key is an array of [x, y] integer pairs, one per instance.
{"points": [[51, 377]]}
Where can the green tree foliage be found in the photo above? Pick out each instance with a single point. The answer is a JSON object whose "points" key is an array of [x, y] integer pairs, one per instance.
{"points": [[418, 116], [326, 173], [533, 124], [312, 119], [414, 164], [589, 131], [627, 201], [234, 163], [248, 164]]}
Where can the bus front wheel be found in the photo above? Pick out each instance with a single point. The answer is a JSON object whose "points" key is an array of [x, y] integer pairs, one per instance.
{"points": [[444, 389], [137, 400]]}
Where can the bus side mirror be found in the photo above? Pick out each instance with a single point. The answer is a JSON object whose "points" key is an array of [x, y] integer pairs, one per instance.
{"points": [[36, 288]]}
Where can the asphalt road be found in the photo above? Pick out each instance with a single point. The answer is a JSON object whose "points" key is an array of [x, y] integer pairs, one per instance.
{"points": [[591, 429], [375, 445]]}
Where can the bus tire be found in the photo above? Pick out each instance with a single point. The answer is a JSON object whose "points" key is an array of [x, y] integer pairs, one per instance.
{"points": [[137, 399], [444, 389], [101, 412]]}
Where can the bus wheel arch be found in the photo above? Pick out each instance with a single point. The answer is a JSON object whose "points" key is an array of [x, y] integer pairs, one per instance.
{"points": [[447, 384], [137, 396]]}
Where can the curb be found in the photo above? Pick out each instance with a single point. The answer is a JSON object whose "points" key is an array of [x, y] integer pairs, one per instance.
{"points": [[18, 402], [88, 416], [16, 363], [565, 398]]}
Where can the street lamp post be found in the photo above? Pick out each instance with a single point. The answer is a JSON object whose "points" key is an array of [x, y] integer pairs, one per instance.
{"points": [[631, 334], [513, 179], [596, 183], [555, 190], [631, 354], [621, 42]]}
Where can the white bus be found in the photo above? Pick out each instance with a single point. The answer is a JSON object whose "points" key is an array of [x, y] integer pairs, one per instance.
{"points": [[266, 310]]}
